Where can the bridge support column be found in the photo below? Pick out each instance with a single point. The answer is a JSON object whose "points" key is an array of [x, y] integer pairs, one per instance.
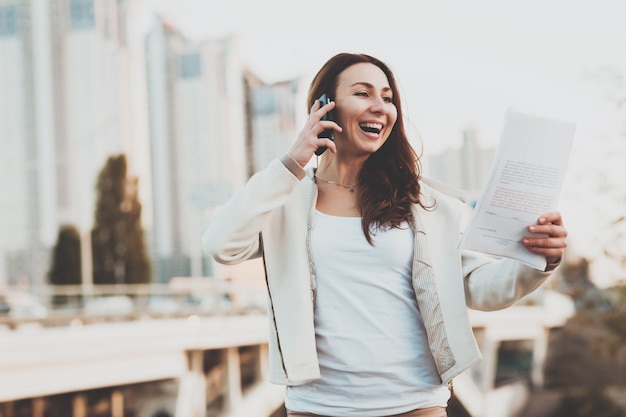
{"points": [[264, 367], [540, 351], [488, 367], [117, 403], [38, 407], [191, 401], [233, 377], [79, 405]]}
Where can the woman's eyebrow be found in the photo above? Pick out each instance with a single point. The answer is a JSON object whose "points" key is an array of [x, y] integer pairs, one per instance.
{"points": [[369, 85]]}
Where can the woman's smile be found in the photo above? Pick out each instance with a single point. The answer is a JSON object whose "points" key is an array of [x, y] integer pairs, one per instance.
{"points": [[371, 128]]}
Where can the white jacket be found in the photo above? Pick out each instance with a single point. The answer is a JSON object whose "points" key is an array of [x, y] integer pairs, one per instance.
{"points": [[272, 217]]}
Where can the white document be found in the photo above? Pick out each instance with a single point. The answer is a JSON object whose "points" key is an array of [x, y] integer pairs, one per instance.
{"points": [[524, 182]]}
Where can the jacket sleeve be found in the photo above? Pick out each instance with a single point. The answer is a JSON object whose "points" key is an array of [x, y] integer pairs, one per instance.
{"points": [[233, 232], [494, 284]]}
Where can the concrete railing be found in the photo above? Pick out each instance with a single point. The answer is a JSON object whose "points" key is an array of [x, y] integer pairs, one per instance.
{"points": [[36, 363], [219, 361], [51, 306]]}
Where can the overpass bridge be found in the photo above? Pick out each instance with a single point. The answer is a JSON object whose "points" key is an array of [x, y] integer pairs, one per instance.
{"points": [[216, 365]]}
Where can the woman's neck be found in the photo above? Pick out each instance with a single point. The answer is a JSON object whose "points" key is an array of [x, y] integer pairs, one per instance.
{"points": [[339, 170]]}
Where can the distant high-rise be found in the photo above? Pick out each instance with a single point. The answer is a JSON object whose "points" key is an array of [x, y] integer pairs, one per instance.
{"points": [[465, 168], [18, 159], [197, 128], [273, 124]]}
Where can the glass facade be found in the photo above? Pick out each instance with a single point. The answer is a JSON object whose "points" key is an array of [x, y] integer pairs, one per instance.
{"points": [[190, 65], [264, 101], [8, 20], [82, 16]]}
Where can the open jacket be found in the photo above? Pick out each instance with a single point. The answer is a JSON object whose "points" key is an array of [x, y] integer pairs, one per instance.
{"points": [[272, 216]]}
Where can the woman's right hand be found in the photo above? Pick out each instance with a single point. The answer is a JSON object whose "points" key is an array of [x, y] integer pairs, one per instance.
{"points": [[307, 143]]}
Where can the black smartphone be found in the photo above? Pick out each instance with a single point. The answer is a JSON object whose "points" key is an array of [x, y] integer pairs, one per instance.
{"points": [[327, 133]]}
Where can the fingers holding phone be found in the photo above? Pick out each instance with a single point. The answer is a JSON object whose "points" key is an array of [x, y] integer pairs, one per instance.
{"points": [[317, 132]]}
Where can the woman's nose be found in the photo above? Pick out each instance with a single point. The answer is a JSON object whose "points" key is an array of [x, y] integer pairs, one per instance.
{"points": [[377, 105]]}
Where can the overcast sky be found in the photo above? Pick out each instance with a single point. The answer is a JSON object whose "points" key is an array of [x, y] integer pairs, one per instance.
{"points": [[459, 63]]}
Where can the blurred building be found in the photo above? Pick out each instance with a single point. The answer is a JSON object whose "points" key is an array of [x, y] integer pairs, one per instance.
{"points": [[197, 141], [64, 109], [272, 126], [465, 168], [82, 80]]}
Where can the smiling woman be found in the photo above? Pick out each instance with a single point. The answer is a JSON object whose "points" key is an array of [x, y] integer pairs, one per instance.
{"points": [[367, 107], [368, 291]]}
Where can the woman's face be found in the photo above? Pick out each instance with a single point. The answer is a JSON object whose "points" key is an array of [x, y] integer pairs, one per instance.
{"points": [[364, 109]]}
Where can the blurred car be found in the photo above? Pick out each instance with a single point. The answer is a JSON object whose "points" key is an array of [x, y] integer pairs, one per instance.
{"points": [[113, 305], [20, 305], [163, 305]]}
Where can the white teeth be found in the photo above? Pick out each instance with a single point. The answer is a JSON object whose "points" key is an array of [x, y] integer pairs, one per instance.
{"points": [[371, 127]]}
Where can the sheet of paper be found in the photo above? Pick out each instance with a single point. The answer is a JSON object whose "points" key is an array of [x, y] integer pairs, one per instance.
{"points": [[524, 182]]}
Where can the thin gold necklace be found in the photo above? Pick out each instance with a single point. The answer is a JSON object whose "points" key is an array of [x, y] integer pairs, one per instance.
{"points": [[349, 187]]}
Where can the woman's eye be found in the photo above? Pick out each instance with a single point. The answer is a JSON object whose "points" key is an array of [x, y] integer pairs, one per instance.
{"points": [[386, 99]]}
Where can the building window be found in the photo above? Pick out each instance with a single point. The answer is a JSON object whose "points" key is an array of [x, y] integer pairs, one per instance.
{"points": [[8, 20], [264, 101], [82, 14], [190, 65]]}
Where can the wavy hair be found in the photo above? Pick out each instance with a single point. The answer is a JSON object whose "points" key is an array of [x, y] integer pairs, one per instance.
{"points": [[389, 180]]}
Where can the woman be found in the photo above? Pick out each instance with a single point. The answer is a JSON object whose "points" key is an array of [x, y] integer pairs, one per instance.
{"points": [[368, 293]]}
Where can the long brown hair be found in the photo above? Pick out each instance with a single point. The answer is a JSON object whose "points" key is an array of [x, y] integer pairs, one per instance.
{"points": [[389, 180]]}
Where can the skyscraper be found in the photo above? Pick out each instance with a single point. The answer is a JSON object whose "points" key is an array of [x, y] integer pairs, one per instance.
{"points": [[273, 122], [17, 137], [465, 168], [197, 125]]}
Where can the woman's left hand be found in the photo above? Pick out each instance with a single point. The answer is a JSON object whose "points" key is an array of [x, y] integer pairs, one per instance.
{"points": [[552, 245]]}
